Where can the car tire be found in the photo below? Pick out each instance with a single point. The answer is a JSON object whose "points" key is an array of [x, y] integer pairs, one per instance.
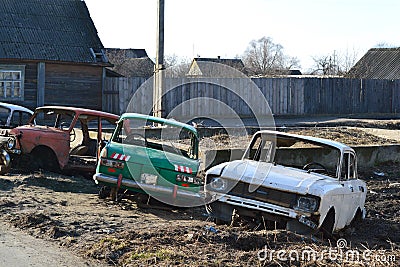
{"points": [[5, 165], [5, 169], [221, 212], [218, 221], [104, 192], [357, 219], [44, 158]]}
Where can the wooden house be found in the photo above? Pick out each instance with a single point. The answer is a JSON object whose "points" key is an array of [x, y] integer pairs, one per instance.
{"points": [[50, 54], [204, 67], [130, 62]]}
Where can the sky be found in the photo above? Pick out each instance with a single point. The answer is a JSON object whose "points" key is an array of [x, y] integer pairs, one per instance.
{"points": [[306, 29]]}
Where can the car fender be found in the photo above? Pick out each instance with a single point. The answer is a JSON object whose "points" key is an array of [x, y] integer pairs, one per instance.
{"points": [[54, 139], [217, 170]]}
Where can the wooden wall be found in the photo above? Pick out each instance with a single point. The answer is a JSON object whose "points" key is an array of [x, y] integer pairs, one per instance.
{"points": [[286, 96], [29, 83], [118, 92], [73, 85], [66, 85]]}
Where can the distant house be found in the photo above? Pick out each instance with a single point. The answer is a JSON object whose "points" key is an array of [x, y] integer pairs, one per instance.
{"points": [[199, 69], [378, 63], [50, 54], [130, 62]]}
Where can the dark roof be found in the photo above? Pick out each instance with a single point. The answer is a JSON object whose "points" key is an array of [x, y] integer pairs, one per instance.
{"points": [[281, 72], [128, 53], [130, 62], [378, 63], [236, 63], [49, 30], [294, 72]]}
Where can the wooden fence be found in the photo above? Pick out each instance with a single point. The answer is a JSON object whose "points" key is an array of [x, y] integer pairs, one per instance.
{"points": [[285, 96]]}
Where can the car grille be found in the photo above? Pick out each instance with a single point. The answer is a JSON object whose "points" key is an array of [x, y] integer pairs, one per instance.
{"points": [[268, 195]]}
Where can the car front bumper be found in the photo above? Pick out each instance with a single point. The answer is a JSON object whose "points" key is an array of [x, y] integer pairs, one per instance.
{"points": [[150, 188], [263, 207]]}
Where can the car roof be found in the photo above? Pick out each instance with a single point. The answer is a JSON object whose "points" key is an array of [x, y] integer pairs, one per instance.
{"points": [[82, 111], [159, 120], [15, 107], [316, 140]]}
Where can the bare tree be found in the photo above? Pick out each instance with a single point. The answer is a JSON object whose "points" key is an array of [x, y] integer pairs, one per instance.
{"points": [[177, 66], [385, 45], [264, 57], [130, 62], [335, 64]]}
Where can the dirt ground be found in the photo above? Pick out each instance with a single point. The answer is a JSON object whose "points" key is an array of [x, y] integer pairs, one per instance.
{"points": [[66, 211]]}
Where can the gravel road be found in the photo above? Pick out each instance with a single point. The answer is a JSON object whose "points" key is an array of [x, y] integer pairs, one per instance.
{"points": [[20, 249]]}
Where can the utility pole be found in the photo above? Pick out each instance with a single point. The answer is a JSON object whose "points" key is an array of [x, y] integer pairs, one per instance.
{"points": [[159, 66]]}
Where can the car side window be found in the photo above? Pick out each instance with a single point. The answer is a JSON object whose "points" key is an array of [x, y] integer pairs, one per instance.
{"points": [[20, 118], [107, 129], [352, 166], [25, 117], [348, 170], [255, 149], [4, 113], [345, 167]]}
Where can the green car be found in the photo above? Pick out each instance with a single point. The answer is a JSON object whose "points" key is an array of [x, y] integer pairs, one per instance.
{"points": [[152, 156]]}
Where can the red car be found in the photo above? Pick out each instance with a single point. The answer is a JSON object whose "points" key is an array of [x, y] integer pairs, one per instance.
{"points": [[60, 138]]}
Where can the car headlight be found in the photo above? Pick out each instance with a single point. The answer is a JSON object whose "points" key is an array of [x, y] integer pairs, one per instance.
{"points": [[10, 143], [112, 163], [218, 184], [307, 204]]}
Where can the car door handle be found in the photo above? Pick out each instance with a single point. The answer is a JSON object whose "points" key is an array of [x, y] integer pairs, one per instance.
{"points": [[351, 188]]}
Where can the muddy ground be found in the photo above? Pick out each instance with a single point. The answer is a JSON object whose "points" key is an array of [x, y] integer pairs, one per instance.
{"points": [[66, 210]]}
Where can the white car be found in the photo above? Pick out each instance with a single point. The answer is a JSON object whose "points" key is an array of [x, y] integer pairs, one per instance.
{"points": [[304, 183], [13, 115]]}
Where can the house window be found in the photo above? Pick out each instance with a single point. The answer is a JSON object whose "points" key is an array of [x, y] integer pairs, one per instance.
{"points": [[12, 82]]}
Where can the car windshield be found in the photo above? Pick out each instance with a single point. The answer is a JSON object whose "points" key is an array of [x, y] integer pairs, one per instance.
{"points": [[168, 138], [57, 118], [4, 113], [294, 152]]}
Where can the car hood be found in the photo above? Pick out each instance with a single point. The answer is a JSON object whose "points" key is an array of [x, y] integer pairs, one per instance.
{"points": [[35, 128], [275, 176], [39, 130]]}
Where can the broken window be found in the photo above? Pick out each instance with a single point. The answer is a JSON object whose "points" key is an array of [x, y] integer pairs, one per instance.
{"points": [[155, 135], [4, 113], [11, 82], [348, 170], [261, 148]]}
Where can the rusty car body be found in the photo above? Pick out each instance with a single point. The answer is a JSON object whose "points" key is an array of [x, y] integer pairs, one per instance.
{"points": [[60, 138]]}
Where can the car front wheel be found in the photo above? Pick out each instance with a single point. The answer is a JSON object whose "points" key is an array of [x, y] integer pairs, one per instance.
{"points": [[5, 162], [221, 212]]}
